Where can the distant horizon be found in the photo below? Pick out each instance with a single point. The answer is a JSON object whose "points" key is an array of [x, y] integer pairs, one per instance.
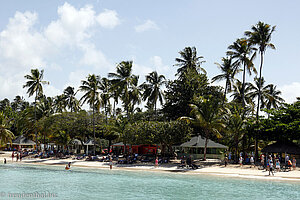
{"points": [[70, 40]]}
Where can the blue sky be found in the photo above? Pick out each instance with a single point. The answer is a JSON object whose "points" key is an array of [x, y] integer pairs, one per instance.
{"points": [[70, 39]]}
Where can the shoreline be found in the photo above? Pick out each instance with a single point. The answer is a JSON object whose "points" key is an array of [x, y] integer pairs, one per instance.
{"points": [[231, 171]]}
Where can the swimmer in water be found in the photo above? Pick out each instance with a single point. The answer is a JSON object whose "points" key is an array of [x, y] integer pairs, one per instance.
{"points": [[68, 166]]}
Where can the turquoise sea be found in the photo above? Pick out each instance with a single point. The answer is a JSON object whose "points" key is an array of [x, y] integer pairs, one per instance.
{"points": [[53, 182]]}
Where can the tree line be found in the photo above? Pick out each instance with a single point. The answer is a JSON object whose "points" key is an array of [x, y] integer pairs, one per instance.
{"points": [[175, 109]]}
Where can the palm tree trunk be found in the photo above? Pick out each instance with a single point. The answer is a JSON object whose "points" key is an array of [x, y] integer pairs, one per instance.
{"points": [[94, 128], [105, 113], [35, 130], [244, 82], [258, 101], [155, 111], [226, 85], [205, 147], [114, 108]]}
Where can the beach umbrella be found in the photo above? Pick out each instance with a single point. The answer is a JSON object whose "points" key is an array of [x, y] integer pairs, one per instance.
{"points": [[88, 143]]}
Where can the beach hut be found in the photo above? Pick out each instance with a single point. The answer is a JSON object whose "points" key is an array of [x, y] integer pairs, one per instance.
{"points": [[21, 143], [195, 147]]}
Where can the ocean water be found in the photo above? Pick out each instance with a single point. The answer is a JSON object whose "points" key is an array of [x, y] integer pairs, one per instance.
{"points": [[53, 182]]}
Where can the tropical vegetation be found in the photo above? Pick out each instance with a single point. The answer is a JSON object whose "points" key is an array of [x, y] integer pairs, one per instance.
{"points": [[239, 114]]}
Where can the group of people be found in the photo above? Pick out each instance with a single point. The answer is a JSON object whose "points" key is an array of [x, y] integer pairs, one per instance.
{"points": [[18, 155]]}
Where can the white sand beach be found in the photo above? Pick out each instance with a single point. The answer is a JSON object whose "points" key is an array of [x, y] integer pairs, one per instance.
{"points": [[231, 170]]}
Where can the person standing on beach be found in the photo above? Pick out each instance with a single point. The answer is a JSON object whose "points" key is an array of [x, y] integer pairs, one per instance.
{"points": [[12, 156], [156, 162], [277, 165], [262, 160], [271, 167], [252, 161], [294, 163], [17, 156], [241, 161], [287, 158], [110, 163], [226, 161], [4, 161]]}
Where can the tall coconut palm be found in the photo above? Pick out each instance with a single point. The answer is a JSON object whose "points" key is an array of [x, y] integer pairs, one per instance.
{"points": [[135, 94], [273, 97], [105, 86], [71, 101], [35, 86], [122, 82], [229, 70], [207, 116], [152, 89], [189, 60], [59, 103], [91, 87], [260, 35], [241, 50], [254, 90], [46, 107]]}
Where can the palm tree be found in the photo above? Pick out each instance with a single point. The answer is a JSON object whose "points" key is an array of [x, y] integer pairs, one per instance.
{"points": [[152, 89], [5, 134], [122, 82], [91, 88], [35, 86], [46, 107], [273, 98], [71, 102], [19, 104], [254, 90], [260, 35], [241, 50], [59, 103], [235, 125], [4, 104], [229, 70], [207, 116], [105, 86], [189, 61], [135, 94]]}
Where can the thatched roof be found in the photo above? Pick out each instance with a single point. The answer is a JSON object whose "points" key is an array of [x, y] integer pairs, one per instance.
{"points": [[282, 147], [200, 142], [22, 140]]}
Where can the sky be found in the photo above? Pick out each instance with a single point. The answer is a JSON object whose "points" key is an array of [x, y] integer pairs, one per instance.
{"points": [[71, 39]]}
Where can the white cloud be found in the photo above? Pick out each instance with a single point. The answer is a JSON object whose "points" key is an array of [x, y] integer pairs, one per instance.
{"points": [[20, 45], [290, 92], [161, 68], [72, 25], [51, 91], [148, 25], [108, 19], [66, 40], [93, 57], [141, 70]]}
